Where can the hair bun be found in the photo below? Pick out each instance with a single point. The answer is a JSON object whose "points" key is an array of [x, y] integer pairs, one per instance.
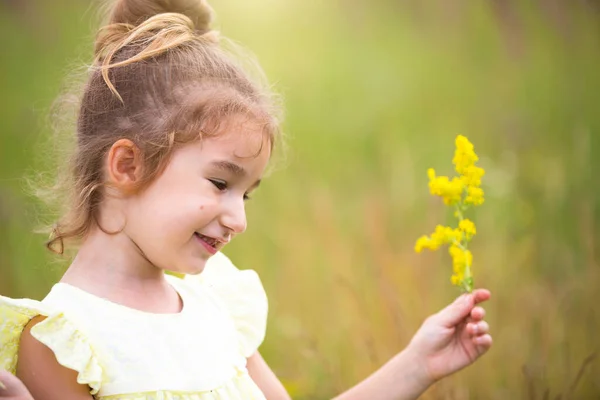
{"points": [[134, 12]]}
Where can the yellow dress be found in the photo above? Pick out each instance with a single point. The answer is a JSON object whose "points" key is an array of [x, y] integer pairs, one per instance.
{"points": [[126, 354]]}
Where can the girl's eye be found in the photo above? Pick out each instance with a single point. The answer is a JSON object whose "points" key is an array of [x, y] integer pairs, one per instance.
{"points": [[219, 184], [222, 185]]}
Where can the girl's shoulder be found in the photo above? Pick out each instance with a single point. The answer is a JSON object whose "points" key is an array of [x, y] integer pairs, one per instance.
{"points": [[64, 337]]}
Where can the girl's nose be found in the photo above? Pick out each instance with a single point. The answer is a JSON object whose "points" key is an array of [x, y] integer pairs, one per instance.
{"points": [[234, 217]]}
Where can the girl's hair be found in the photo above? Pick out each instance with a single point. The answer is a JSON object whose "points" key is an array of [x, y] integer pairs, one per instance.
{"points": [[161, 77]]}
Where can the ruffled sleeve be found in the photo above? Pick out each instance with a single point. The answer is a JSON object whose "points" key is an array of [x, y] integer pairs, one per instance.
{"points": [[70, 346], [242, 294]]}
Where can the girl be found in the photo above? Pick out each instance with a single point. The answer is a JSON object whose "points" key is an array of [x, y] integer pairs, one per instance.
{"points": [[172, 137]]}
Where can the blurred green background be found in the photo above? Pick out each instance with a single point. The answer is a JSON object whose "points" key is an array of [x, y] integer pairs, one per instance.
{"points": [[375, 93]]}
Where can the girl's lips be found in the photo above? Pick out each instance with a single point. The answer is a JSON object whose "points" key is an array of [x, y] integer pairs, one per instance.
{"points": [[209, 248]]}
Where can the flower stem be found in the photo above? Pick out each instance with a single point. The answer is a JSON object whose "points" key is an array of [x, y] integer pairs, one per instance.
{"points": [[467, 281]]}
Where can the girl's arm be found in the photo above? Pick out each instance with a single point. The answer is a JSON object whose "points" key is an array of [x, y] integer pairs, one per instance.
{"points": [[399, 379], [383, 384], [45, 378], [447, 341], [265, 378]]}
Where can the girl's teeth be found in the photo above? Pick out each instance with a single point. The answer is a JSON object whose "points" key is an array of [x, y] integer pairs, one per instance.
{"points": [[209, 240]]}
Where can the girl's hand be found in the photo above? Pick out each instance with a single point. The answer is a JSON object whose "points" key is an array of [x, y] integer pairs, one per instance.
{"points": [[12, 388], [453, 338]]}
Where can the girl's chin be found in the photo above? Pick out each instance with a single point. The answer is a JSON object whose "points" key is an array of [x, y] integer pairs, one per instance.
{"points": [[191, 265], [192, 269]]}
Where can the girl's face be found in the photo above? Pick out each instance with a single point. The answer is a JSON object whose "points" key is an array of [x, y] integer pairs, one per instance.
{"points": [[197, 205]]}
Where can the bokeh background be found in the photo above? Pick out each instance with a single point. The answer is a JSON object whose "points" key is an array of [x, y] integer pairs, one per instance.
{"points": [[375, 94]]}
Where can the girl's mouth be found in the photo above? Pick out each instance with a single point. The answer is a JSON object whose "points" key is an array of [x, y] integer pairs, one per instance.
{"points": [[210, 244]]}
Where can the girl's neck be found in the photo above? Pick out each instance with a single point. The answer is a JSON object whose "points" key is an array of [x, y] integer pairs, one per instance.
{"points": [[113, 267]]}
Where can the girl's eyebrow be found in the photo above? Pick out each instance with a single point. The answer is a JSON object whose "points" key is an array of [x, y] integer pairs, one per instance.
{"points": [[234, 169], [229, 167]]}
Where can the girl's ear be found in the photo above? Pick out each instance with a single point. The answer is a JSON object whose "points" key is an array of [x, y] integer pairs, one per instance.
{"points": [[124, 166]]}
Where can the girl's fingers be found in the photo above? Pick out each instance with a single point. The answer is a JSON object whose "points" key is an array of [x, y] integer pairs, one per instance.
{"points": [[478, 328], [480, 295], [11, 387], [483, 342], [477, 314]]}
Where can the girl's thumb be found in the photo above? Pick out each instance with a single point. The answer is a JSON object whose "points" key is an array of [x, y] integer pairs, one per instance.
{"points": [[457, 311]]}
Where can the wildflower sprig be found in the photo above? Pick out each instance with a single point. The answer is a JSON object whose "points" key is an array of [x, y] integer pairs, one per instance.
{"points": [[460, 192]]}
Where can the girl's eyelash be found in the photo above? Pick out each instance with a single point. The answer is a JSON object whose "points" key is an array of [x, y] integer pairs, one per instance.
{"points": [[221, 185]]}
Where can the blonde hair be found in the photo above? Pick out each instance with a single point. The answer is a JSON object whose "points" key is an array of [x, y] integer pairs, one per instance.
{"points": [[161, 77]]}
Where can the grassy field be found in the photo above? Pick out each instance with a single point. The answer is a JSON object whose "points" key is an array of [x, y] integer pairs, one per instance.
{"points": [[375, 93]]}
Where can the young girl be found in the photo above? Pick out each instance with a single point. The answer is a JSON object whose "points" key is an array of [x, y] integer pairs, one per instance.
{"points": [[172, 137]]}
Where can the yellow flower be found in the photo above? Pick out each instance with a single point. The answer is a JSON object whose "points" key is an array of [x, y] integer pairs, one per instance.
{"points": [[449, 190], [424, 242], [464, 156], [472, 175], [464, 160], [442, 235], [461, 192], [445, 235], [474, 196], [461, 260], [467, 227]]}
